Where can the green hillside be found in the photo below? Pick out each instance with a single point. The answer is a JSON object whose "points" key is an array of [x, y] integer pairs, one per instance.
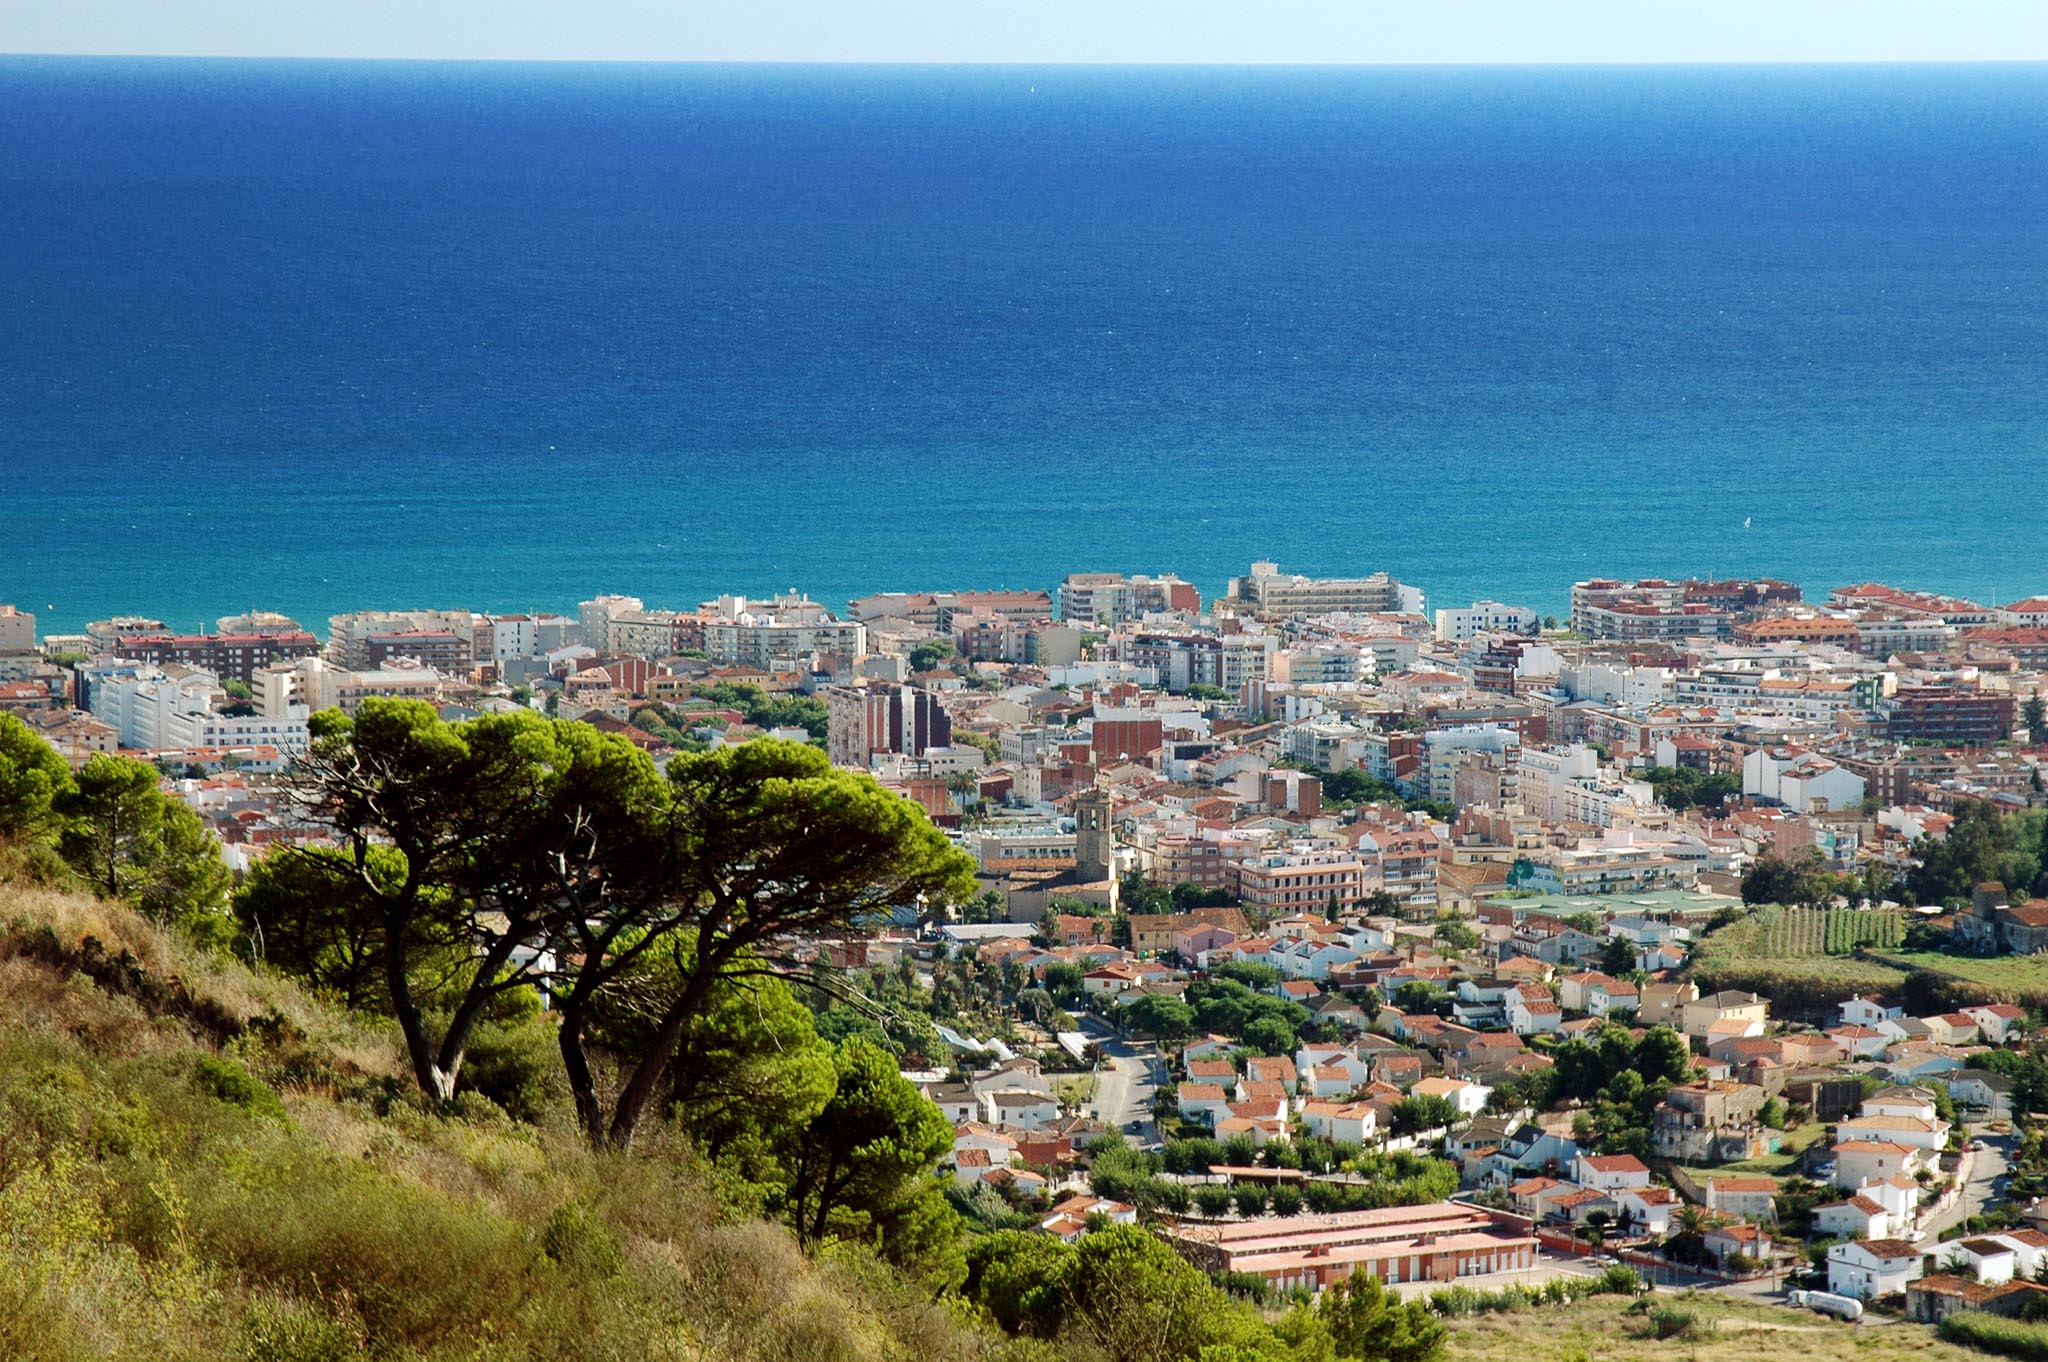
{"points": [[201, 1161]]}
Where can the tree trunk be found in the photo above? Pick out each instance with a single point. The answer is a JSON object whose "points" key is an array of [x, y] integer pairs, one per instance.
{"points": [[582, 1082], [661, 1048], [455, 1041], [436, 1084], [647, 1074]]}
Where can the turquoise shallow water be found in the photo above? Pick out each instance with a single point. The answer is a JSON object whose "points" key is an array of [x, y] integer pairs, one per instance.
{"points": [[317, 336]]}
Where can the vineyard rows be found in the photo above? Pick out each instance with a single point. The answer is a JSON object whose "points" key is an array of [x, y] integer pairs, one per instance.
{"points": [[1790, 933]]}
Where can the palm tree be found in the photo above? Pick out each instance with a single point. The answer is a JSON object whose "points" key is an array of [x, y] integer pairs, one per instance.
{"points": [[1691, 1221]]}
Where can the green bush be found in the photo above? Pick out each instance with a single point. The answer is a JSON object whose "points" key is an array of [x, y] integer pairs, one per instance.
{"points": [[227, 1080], [420, 1269], [578, 1240], [1996, 1334], [282, 1329], [1671, 1321], [518, 1065]]}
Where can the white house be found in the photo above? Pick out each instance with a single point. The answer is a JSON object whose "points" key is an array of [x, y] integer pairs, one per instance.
{"points": [[970, 1166], [1990, 1092], [1000, 1148], [1741, 1237], [1465, 1096], [1861, 1042], [1596, 993], [1021, 1108], [1862, 1011], [2030, 1250], [1996, 1021], [1108, 981], [1210, 1047], [1356, 1122], [1646, 1209], [1330, 1072], [1857, 1218], [1899, 1195], [1870, 1268], [1610, 1172], [1859, 1162], [1986, 1257], [1931, 1136], [1204, 1102], [1080, 1207], [1312, 959], [1651, 959], [1534, 1016], [1900, 1101], [1750, 1198], [956, 1101]]}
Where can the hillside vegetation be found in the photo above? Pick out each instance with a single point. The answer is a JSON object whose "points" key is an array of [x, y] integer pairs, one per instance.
{"points": [[1808, 959], [1803, 959], [203, 1161], [1700, 1327]]}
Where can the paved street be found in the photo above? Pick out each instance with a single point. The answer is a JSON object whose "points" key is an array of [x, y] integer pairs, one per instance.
{"points": [[1126, 1080], [1989, 1169], [1986, 1183]]}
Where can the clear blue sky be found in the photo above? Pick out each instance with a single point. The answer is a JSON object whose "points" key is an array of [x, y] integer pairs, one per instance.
{"points": [[1345, 31]]}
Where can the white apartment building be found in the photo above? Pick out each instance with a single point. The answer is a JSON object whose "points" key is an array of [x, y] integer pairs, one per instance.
{"points": [[1547, 773], [173, 707], [1879, 636], [594, 617], [1804, 782], [788, 630], [1442, 748], [349, 635], [1324, 664], [1110, 599], [1629, 687], [645, 633], [293, 690], [141, 706], [505, 637], [1272, 592], [1183, 660], [1321, 743], [1485, 617]]}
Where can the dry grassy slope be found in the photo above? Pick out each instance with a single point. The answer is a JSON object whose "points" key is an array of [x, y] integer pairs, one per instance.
{"points": [[198, 1160], [1601, 1328]]}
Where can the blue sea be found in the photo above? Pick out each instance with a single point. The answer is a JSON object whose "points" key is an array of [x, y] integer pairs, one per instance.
{"points": [[316, 336]]}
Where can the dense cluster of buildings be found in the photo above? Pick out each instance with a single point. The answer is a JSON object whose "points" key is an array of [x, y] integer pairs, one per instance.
{"points": [[1336, 772]]}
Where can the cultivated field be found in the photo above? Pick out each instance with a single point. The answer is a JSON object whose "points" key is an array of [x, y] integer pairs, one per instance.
{"points": [[2022, 978], [1801, 957], [1601, 1329]]}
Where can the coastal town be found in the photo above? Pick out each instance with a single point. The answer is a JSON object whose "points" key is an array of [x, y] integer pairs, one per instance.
{"points": [[1693, 930]]}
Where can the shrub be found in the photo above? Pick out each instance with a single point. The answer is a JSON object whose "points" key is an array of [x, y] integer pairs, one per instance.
{"points": [[1621, 1280], [516, 1064], [420, 1269], [1671, 1321], [1995, 1334], [283, 1329], [579, 1241], [227, 1080]]}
